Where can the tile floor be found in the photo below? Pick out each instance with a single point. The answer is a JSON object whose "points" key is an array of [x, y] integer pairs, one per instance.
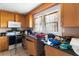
{"points": [[19, 52]]}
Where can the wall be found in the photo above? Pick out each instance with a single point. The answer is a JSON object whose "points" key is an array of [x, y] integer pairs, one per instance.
{"points": [[66, 31], [4, 29], [37, 10]]}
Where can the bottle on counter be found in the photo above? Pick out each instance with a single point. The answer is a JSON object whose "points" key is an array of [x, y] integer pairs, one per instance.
{"points": [[62, 40], [46, 37]]}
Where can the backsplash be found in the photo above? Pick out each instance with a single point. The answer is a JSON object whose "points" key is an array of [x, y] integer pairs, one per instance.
{"points": [[66, 31], [4, 29], [71, 32]]}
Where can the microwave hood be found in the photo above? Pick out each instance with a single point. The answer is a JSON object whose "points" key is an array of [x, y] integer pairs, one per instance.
{"points": [[12, 24]]}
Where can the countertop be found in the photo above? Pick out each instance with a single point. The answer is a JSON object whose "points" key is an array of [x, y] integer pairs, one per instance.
{"points": [[31, 36], [69, 51]]}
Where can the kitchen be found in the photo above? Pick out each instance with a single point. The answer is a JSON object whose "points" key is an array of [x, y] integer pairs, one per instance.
{"points": [[39, 29]]}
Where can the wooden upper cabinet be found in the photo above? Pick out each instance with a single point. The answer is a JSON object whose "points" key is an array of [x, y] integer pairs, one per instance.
{"points": [[17, 17], [23, 22], [20, 18], [68, 14], [8, 16], [5, 17], [27, 21], [77, 13]]}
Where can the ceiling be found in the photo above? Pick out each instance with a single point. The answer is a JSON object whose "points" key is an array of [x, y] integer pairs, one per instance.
{"points": [[22, 8]]}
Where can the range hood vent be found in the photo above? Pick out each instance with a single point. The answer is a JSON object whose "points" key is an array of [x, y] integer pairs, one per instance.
{"points": [[12, 24]]}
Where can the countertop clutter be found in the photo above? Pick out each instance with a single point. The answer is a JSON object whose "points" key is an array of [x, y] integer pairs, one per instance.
{"points": [[33, 39], [64, 46]]}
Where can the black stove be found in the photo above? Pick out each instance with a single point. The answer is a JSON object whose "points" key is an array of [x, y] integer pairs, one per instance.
{"points": [[15, 39]]}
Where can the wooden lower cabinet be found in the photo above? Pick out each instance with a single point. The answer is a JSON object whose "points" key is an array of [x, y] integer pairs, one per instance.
{"points": [[33, 47], [24, 43], [29, 45], [50, 51], [3, 43]]}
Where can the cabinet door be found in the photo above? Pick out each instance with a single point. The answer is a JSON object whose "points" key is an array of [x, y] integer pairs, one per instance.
{"points": [[27, 21], [20, 18], [31, 48], [68, 15], [77, 13], [50, 51], [10, 16], [6, 43], [5, 17], [23, 21], [3, 43], [24, 43], [17, 17]]}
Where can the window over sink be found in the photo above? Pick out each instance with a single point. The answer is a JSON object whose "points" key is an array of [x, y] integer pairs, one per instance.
{"points": [[48, 21]]}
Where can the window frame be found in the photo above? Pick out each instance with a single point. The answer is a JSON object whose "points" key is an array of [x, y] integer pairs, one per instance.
{"points": [[53, 21], [37, 24]]}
